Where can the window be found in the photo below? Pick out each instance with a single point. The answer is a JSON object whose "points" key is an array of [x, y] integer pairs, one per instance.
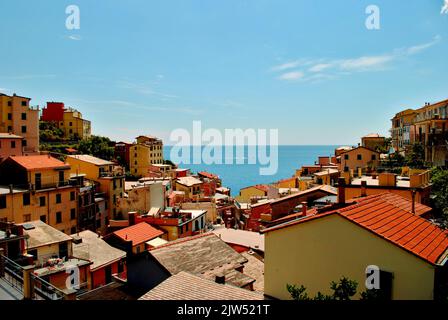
{"points": [[72, 195], [2, 202], [9, 116], [346, 157], [24, 103], [359, 157], [23, 116], [73, 214], [9, 103], [23, 129], [26, 199], [42, 201], [13, 144], [70, 124], [58, 198], [61, 177], [26, 218], [70, 131], [186, 227], [373, 156], [24, 143], [9, 128], [43, 218], [58, 217], [73, 230], [38, 180]]}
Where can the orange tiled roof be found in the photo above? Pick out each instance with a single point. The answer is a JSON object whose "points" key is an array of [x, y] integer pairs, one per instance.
{"points": [[139, 233], [39, 162], [261, 187], [388, 216], [208, 175]]}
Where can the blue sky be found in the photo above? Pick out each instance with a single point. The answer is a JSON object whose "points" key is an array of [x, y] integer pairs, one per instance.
{"points": [[309, 68]]}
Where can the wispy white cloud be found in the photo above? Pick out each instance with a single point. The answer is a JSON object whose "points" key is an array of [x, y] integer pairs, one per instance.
{"points": [[75, 37], [366, 63], [444, 9], [29, 76], [320, 69], [293, 75], [287, 65], [144, 88], [134, 105]]}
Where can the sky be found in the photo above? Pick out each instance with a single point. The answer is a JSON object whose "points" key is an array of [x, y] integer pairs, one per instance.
{"points": [[311, 69]]}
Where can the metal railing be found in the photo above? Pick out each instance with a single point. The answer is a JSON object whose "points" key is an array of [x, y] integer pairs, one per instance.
{"points": [[13, 274], [45, 290]]}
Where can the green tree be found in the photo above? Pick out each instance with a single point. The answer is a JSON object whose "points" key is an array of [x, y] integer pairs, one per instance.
{"points": [[415, 157], [297, 293], [101, 147], [439, 192], [345, 289], [385, 147]]}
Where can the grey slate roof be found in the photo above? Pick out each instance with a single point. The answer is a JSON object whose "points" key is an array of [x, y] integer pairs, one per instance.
{"points": [[185, 286]]}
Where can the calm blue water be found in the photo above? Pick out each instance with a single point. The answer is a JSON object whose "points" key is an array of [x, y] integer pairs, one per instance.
{"points": [[236, 176]]}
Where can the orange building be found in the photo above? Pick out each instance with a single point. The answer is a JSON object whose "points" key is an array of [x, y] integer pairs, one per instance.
{"points": [[107, 261], [38, 188], [360, 158], [10, 145], [19, 118]]}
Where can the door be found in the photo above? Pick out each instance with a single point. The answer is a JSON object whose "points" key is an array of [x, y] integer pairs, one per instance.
{"points": [[108, 271]]}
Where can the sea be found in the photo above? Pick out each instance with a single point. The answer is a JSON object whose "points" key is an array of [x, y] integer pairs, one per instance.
{"points": [[240, 172]]}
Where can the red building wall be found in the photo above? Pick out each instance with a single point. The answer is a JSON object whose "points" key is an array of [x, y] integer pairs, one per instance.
{"points": [[255, 214], [53, 112], [99, 276]]}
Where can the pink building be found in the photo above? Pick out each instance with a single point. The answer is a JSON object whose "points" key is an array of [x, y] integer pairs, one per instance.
{"points": [[10, 145]]}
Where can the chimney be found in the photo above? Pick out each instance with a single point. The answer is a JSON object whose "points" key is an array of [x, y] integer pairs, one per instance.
{"points": [[363, 188], [341, 190], [131, 217], [413, 201], [304, 207], [220, 278]]}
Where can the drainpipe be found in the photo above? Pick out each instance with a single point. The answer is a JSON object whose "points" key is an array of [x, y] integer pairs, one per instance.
{"points": [[413, 201]]}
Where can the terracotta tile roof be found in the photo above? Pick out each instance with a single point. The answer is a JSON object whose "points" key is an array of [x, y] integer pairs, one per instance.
{"points": [[185, 286], [208, 175], [139, 233], [388, 216], [39, 162], [261, 187]]}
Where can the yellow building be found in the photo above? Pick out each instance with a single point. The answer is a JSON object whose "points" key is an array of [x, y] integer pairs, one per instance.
{"points": [[191, 186], [37, 188], [403, 131], [146, 152], [17, 117], [373, 141], [109, 176], [74, 125], [359, 159], [332, 243], [260, 191]]}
